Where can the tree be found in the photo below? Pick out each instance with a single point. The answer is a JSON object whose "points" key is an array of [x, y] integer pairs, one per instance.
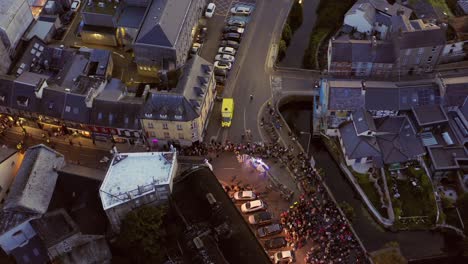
{"points": [[295, 16], [142, 235], [287, 34], [390, 254], [462, 202], [281, 50]]}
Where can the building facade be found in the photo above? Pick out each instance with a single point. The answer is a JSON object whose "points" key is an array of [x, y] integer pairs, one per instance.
{"points": [[181, 116]]}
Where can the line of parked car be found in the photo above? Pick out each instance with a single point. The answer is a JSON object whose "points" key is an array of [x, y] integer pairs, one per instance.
{"points": [[265, 225], [230, 42]]}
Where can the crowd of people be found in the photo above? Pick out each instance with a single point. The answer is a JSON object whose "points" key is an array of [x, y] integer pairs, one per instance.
{"points": [[313, 217]]}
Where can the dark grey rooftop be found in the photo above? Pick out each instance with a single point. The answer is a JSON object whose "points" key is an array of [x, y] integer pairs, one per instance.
{"points": [[52, 103], [131, 17], [422, 38], [344, 50], [403, 97], [185, 101], [347, 99], [456, 91], [397, 139], [446, 158], [10, 219], [6, 90], [363, 121], [54, 227], [358, 147], [35, 181], [430, 114], [163, 22]]}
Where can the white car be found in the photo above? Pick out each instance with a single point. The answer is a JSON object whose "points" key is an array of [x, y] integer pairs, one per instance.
{"points": [[227, 50], [283, 256], [253, 206], [75, 5], [210, 9], [223, 65], [241, 10], [225, 57], [245, 196]]}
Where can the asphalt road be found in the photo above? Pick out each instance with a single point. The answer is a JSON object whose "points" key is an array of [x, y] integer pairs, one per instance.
{"points": [[251, 72]]}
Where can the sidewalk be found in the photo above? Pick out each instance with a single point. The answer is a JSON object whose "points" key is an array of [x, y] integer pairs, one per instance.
{"points": [[81, 141]]}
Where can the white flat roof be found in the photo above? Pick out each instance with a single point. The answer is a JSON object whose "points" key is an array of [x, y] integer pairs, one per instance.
{"points": [[132, 174]]}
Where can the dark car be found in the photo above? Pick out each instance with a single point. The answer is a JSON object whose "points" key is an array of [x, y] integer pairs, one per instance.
{"points": [[202, 35], [260, 218], [274, 243], [233, 29], [220, 79], [220, 72], [236, 22], [229, 43], [269, 230], [232, 36]]}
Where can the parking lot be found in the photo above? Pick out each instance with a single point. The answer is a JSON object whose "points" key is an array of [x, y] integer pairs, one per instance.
{"points": [[218, 35], [234, 175]]}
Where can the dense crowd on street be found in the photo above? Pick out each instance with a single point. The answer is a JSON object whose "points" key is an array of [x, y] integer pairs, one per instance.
{"points": [[313, 217]]}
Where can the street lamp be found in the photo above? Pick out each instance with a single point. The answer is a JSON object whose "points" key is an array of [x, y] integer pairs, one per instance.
{"points": [[308, 142]]}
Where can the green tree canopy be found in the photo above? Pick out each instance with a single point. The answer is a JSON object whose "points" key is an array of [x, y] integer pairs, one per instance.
{"points": [[142, 235]]}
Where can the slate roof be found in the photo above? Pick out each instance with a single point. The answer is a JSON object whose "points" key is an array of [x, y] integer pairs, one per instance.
{"points": [[345, 98], [401, 96], [456, 90], [458, 121], [344, 50], [463, 4], [377, 10], [10, 219], [163, 22], [358, 147], [430, 114], [35, 181], [75, 109], [185, 101], [24, 97], [131, 17], [6, 91], [363, 121], [54, 227], [447, 158], [52, 103], [397, 139], [422, 38]]}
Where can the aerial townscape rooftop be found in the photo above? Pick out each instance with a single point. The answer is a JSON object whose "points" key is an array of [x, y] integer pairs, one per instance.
{"points": [[201, 131]]}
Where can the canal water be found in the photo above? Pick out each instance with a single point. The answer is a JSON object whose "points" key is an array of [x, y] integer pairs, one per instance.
{"points": [[414, 244]]}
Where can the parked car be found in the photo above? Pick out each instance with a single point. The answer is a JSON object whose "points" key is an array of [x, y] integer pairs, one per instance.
{"points": [[195, 48], [236, 22], [75, 5], [220, 72], [245, 196], [274, 243], [225, 57], [284, 256], [241, 10], [253, 206], [220, 79], [232, 36], [260, 218], [223, 65], [210, 9], [234, 29], [269, 230], [229, 43], [227, 50]]}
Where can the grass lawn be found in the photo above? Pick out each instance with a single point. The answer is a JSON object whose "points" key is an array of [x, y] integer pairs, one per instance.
{"points": [[417, 201]]}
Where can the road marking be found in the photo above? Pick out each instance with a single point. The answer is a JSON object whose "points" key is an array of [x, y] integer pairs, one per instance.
{"points": [[118, 54]]}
